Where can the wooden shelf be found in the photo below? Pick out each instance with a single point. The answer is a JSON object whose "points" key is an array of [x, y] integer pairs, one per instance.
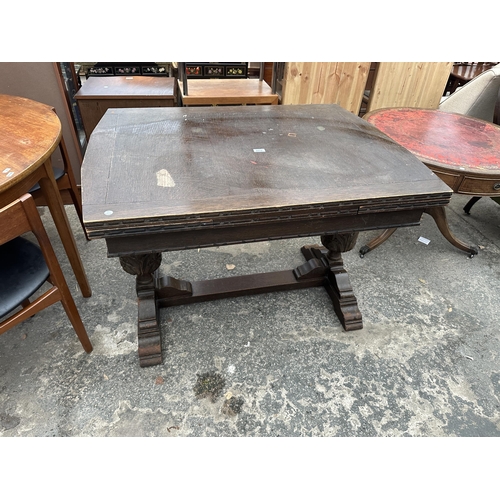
{"points": [[214, 92]]}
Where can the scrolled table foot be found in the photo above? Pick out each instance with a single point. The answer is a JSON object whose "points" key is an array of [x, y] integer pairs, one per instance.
{"points": [[148, 330], [471, 203], [375, 242], [439, 216], [337, 282], [144, 267], [345, 304], [364, 250]]}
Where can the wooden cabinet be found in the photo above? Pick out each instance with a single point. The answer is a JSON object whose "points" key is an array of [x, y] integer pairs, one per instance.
{"points": [[98, 94]]}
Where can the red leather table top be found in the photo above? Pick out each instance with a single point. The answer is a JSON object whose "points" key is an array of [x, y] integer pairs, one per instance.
{"points": [[447, 140]]}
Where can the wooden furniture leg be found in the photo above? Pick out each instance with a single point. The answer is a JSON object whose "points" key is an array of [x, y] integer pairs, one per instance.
{"points": [[336, 281], [73, 187], [145, 267], [471, 203], [371, 245], [324, 267], [439, 216], [54, 201]]}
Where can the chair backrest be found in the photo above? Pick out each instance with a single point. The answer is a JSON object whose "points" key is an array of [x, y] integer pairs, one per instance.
{"points": [[476, 98], [13, 222], [20, 217]]}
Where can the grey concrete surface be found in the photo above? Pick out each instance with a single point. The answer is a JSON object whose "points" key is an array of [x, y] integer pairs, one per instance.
{"points": [[425, 364]]}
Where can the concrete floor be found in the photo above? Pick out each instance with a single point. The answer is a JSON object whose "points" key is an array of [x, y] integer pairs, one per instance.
{"points": [[425, 364]]}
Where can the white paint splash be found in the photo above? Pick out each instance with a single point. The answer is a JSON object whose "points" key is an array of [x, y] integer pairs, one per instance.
{"points": [[164, 179]]}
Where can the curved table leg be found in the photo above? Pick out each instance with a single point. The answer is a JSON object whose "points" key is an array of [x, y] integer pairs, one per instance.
{"points": [[371, 245], [471, 203], [439, 216]]}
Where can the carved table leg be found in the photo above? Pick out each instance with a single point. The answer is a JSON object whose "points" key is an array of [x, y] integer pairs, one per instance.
{"points": [[148, 327], [337, 282]]}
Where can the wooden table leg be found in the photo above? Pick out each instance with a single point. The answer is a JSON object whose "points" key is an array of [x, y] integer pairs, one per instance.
{"points": [[324, 267], [471, 203], [54, 201], [439, 216], [337, 282], [375, 242], [145, 267]]}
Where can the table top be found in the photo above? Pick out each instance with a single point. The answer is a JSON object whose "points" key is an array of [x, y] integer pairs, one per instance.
{"points": [[118, 87], [150, 168], [30, 132], [220, 91], [450, 141]]}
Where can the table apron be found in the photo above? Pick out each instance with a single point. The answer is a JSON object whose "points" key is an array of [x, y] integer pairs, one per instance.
{"points": [[16, 190], [469, 183], [143, 243]]}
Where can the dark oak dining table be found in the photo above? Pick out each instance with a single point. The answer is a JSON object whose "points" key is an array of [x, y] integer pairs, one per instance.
{"points": [[164, 179], [30, 132]]}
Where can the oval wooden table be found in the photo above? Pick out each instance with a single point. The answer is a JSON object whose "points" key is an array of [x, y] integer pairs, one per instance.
{"points": [[463, 151], [29, 133]]}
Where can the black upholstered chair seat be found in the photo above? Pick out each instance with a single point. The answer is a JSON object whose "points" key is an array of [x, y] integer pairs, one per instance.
{"points": [[58, 173], [25, 267], [22, 272]]}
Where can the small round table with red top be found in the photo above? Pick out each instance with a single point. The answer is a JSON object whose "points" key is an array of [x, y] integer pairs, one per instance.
{"points": [[463, 151]]}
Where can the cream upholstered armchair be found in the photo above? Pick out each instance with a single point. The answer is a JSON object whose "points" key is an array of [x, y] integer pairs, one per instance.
{"points": [[476, 98]]}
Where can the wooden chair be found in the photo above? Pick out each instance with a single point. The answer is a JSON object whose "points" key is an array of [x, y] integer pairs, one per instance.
{"points": [[478, 99], [25, 267], [65, 179]]}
